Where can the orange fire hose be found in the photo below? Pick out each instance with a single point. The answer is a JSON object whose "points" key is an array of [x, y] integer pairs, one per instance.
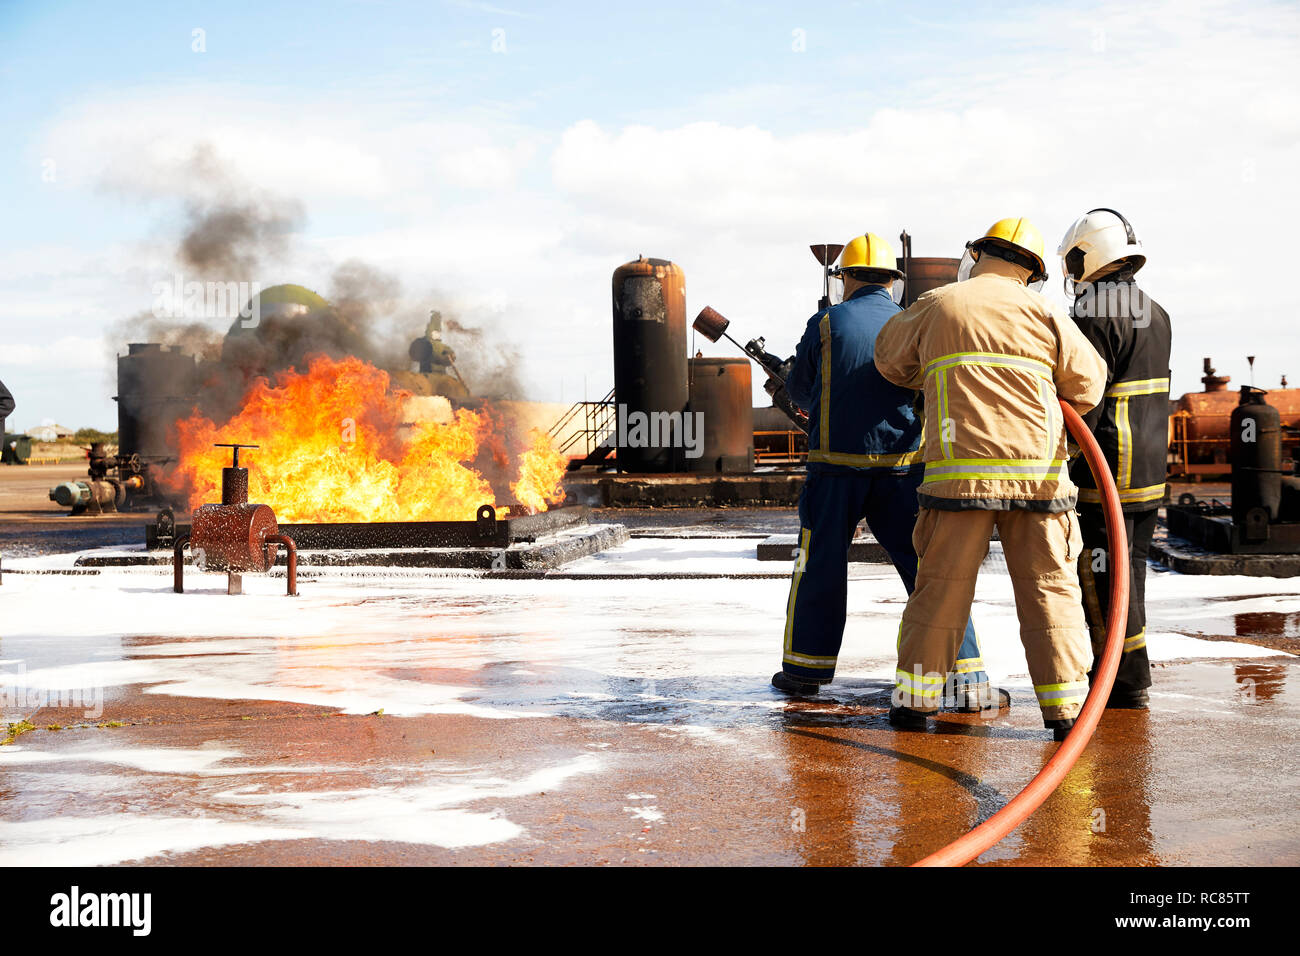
{"points": [[966, 848]]}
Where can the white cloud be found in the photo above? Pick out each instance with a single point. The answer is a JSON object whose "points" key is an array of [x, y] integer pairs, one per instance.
{"points": [[485, 167], [318, 151], [69, 352], [1183, 118], [140, 143]]}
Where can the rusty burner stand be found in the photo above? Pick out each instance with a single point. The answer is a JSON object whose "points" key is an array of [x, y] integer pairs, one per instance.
{"points": [[235, 536]]}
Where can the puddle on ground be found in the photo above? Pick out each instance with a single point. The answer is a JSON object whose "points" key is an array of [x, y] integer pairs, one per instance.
{"points": [[1267, 624], [1261, 681]]}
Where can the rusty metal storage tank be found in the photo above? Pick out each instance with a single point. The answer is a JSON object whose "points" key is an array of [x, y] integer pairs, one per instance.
{"points": [[155, 387], [1255, 434], [1200, 425], [650, 376], [924, 274], [722, 415]]}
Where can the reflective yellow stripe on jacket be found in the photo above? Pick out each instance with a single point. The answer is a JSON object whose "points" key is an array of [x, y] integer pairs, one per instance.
{"points": [[1127, 496], [825, 430], [941, 390], [1122, 392], [989, 360], [1047, 394], [1144, 386], [991, 468], [822, 453], [896, 460], [994, 468]]}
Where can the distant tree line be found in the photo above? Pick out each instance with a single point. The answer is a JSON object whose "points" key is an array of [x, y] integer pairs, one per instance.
{"points": [[88, 436]]}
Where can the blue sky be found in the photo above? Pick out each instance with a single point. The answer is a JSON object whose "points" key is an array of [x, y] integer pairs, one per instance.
{"points": [[504, 185]]}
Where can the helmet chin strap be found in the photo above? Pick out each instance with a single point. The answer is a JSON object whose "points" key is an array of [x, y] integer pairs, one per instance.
{"points": [[997, 265], [1020, 260]]}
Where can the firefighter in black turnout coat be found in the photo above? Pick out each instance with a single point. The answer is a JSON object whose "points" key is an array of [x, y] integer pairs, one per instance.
{"points": [[1131, 331]]}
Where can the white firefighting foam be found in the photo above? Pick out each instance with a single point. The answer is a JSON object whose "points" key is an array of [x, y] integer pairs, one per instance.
{"points": [[691, 657]]}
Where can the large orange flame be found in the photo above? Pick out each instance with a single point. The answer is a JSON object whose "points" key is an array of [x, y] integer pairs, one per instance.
{"points": [[334, 448], [540, 469]]}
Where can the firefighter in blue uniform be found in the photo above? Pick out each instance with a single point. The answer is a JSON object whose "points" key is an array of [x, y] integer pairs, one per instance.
{"points": [[863, 462]]}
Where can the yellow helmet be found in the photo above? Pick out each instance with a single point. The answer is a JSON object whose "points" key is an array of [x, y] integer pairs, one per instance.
{"points": [[868, 251], [1021, 243]]}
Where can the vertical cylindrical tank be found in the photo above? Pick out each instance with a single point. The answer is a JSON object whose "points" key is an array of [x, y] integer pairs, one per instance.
{"points": [[650, 377], [155, 387], [721, 415], [1255, 437], [924, 274]]}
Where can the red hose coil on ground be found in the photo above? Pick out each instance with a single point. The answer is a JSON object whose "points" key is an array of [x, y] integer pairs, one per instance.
{"points": [[966, 848]]}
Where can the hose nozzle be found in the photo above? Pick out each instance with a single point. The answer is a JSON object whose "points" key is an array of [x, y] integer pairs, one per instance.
{"points": [[711, 324]]}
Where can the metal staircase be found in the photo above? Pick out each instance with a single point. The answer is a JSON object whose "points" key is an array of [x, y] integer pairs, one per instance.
{"points": [[593, 440]]}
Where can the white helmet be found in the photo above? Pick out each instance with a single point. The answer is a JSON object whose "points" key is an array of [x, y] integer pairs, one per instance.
{"points": [[1102, 241]]}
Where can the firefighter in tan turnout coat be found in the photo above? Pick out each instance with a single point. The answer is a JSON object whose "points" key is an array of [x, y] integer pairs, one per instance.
{"points": [[992, 355]]}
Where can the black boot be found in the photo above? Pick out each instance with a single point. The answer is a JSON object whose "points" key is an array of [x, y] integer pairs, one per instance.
{"points": [[1127, 698], [974, 698], [905, 718], [793, 686], [1060, 728]]}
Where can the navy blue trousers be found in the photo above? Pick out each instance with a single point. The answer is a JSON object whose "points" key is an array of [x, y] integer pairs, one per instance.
{"points": [[830, 507]]}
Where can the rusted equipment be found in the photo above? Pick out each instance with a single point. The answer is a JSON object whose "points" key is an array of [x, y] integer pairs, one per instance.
{"points": [[487, 530], [1264, 517], [233, 536], [1255, 437], [1212, 381], [155, 388], [178, 563], [95, 496], [291, 559], [1200, 426], [722, 399], [713, 325], [920, 275], [777, 443], [924, 274], [650, 375]]}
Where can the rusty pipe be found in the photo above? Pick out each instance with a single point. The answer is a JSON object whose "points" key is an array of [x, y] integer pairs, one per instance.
{"points": [[292, 550], [178, 564]]}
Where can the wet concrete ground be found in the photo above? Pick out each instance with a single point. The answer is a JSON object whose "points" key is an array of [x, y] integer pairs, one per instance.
{"points": [[604, 722], [31, 524], [244, 782]]}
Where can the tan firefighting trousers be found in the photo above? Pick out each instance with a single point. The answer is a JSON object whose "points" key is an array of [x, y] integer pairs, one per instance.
{"points": [[1040, 550]]}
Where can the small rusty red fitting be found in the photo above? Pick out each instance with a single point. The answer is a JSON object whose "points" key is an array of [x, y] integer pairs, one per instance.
{"points": [[234, 536], [291, 550]]}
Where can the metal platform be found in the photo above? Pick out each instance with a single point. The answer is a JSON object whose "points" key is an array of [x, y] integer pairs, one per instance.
{"points": [[1185, 557], [1210, 526], [487, 530], [784, 547]]}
